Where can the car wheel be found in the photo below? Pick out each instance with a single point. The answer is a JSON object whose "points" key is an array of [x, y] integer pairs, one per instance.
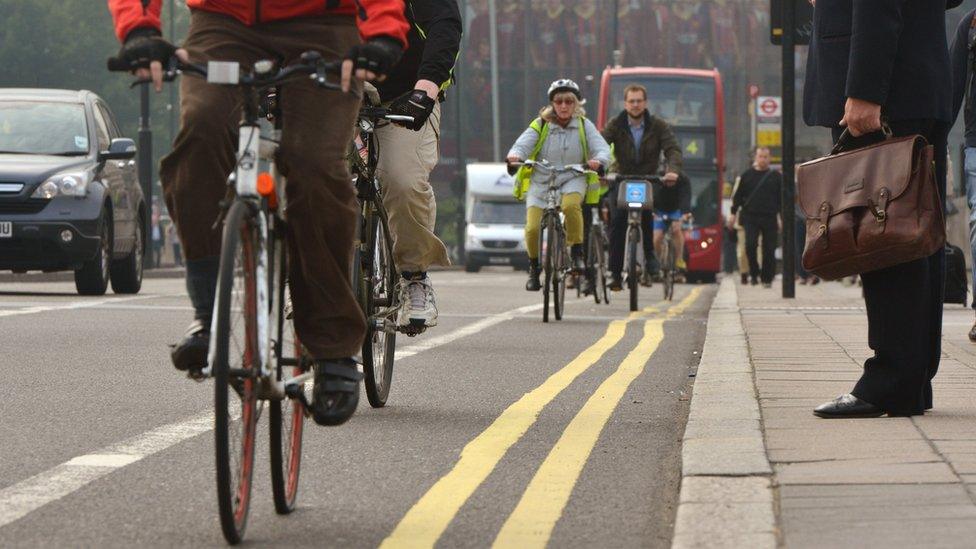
{"points": [[126, 273], [93, 276]]}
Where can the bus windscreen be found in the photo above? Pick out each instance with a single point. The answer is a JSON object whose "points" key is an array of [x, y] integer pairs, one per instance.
{"points": [[681, 101]]}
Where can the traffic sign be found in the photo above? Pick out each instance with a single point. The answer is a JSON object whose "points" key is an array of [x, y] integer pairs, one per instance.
{"points": [[768, 106], [753, 91]]}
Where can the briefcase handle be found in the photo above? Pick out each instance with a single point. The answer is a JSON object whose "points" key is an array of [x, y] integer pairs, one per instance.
{"points": [[846, 136]]}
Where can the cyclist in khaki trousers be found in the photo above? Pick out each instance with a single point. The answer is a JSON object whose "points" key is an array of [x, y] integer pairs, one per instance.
{"points": [[415, 87]]}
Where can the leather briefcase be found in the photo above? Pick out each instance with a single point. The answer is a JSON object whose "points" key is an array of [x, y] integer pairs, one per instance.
{"points": [[870, 208]]}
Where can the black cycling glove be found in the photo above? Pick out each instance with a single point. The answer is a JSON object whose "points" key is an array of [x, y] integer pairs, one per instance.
{"points": [[142, 46], [378, 55], [418, 104]]}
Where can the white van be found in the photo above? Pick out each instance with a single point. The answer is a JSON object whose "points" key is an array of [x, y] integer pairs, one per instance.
{"points": [[495, 229]]}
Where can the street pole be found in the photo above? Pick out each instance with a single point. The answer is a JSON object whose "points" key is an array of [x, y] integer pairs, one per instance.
{"points": [[495, 118], [789, 148], [146, 166], [616, 27], [172, 88]]}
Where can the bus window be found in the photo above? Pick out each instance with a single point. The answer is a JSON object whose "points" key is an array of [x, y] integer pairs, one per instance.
{"points": [[704, 198], [680, 101]]}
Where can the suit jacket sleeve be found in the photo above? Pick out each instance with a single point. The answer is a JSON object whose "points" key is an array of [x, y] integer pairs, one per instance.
{"points": [[959, 55], [875, 32]]}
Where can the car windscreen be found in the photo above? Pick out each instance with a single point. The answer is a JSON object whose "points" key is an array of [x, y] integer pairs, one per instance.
{"points": [[498, 211], [36, 127]]}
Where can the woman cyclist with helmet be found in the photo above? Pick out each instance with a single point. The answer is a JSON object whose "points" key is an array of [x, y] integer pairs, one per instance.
{"points": [[562, 135]]}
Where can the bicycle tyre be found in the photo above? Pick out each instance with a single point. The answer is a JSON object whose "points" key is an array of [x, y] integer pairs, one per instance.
{"points": [[545, 256], [633, 239], [667, 269], [286, 417], [238, 263], [557, 242], [379, 286], [602, 269]]}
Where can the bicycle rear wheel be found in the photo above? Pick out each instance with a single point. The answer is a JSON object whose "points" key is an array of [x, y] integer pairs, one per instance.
{"points": [[286, 417], [378, 290], [236, 363], [633, 239]]}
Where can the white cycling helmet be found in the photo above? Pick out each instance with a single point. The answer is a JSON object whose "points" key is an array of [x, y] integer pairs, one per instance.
{"points": [[564, 85]]}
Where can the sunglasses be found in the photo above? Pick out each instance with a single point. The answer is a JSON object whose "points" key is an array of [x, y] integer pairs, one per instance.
{"points": [[563, 101]]}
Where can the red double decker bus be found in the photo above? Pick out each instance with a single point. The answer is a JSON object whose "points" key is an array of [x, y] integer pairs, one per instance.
{"points": [[691, 101]]}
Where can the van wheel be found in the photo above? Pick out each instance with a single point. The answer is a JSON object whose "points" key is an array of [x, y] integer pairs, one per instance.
{"points": [[126, 273], [93, 276], [471, 267]]}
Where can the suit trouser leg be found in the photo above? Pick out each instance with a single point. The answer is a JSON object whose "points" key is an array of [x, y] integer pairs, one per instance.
{"points": [[904, 308]]}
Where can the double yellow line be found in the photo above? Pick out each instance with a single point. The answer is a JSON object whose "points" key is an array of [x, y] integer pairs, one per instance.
{"points": [[533, 519]]}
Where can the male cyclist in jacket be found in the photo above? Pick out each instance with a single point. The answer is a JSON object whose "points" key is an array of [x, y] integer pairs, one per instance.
{"points": [[638, 139], [415, 87], [318, 127]]}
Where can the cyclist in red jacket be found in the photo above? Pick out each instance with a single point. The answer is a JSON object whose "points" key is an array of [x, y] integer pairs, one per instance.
{"points": [[318, 127]]}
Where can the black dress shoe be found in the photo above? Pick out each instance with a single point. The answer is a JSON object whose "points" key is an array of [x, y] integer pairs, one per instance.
{"points": [[847, 406]]}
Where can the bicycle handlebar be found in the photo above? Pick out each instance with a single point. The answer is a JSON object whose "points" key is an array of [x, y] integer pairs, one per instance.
{"points": [[262, 75], [579, 169], [380, 113], [614, 177]]}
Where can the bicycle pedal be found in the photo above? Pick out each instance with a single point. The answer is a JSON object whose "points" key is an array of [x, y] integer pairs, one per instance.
{"points": [[196, 374], [297, 392]]}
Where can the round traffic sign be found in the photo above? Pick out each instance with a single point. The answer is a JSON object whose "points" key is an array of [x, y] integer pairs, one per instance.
{"points": [[768, 106]]}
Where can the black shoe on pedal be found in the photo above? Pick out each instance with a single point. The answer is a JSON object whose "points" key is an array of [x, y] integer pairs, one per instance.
{"points": [[616, 283], [191, 352], [336, 391]]}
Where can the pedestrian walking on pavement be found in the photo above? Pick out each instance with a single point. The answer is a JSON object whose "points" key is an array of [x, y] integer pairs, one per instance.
{"points": [[887, 57], [756, 205], [963, 54], [733, 225]]}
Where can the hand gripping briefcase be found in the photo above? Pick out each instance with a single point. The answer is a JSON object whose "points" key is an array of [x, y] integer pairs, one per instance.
{"points": [[870, 208]]}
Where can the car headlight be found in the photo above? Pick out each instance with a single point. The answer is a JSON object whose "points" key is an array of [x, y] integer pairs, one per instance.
{"points": [[472, 242], [67, 184]]}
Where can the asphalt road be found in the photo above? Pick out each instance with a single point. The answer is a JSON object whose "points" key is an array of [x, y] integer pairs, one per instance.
{"points": [[571, 431]]}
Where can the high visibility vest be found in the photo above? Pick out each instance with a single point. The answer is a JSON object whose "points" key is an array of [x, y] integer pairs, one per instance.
{"points": [[524, 174]]}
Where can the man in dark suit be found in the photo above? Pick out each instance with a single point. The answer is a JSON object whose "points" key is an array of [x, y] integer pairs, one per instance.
{"points": [[867, 58]]}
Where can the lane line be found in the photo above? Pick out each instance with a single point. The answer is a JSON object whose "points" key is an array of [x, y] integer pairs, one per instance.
{"points": [[74, 305], [30, 494], [531, 523], [26, 496], [424, 523]]}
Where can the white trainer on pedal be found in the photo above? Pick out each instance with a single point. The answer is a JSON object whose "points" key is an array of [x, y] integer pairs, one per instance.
{"points": [[419, 309]]}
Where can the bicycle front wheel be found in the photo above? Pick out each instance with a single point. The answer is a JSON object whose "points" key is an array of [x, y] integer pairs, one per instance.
{"points": [[545, 258], [557, 245], [286, 417], [235, 368], [633, 239], [667, 270], [378, 285], [601, 269]]}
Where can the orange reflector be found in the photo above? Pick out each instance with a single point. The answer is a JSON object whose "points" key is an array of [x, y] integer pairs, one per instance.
{"points": [[266, 188]]}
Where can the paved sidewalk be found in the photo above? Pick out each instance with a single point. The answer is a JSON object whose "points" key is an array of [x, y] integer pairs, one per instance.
{"points": [[886, 482]]}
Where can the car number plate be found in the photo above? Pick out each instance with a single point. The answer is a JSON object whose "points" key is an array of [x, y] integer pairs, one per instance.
{"points": [[6, 229], [498, 260]]}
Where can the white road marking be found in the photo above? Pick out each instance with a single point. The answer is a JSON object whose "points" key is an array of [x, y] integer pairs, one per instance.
{"points": [[73, 305], [29, 495]]}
